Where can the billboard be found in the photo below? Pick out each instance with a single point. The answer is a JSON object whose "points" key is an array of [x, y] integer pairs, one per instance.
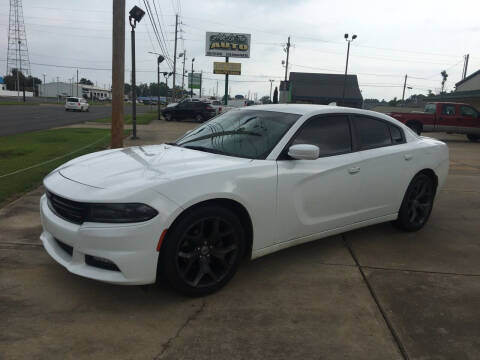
{"points": [[227, 44], [195, 81], [227, 68]]}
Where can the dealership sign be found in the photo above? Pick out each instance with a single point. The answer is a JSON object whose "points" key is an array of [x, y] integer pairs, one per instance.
{"points": [[194, 80], [227, 45], [227, 68]]}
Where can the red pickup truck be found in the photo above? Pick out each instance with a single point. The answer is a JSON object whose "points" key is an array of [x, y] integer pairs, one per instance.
{"points": [[443, 117]]}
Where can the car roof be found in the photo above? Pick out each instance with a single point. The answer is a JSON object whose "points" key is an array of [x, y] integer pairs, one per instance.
{"points": [[310, 109]]}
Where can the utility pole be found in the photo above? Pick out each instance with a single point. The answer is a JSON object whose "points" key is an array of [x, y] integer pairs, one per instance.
{"points": [[465, 66], [271, 82], [201, 75], [175, 56], [77, 82], [288, 53], [404, 86], [58, 99], [118, 73]]}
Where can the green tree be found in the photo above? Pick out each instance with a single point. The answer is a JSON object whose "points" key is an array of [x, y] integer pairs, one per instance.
{"points": [[85, 81], [275, 95]]}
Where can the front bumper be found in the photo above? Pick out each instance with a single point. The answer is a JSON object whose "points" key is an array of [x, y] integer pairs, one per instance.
{"points": [[131, 247]]}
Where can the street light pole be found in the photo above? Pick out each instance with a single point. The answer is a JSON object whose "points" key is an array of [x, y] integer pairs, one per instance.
{"points": [[160, 59], [346, 66], [191, 80], [271, 82], [135, 16]]}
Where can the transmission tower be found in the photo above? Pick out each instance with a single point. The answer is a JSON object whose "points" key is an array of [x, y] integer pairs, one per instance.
{"points": [[17, 55]]}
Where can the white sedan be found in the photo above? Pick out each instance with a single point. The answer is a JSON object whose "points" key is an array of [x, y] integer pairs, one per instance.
{"points": [[245, 184]]}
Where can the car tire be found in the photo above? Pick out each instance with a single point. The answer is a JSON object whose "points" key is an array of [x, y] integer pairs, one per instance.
{"points": [[168, 117], [473, 137], [199, 118], [415, 127], [66, 109], [202, 250], [417, 203]]}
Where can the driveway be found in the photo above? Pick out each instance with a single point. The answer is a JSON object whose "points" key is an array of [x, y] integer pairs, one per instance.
{"points": [[374, 293]]}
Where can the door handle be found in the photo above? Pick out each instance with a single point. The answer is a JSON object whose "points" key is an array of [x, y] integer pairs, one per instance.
{"points": [[354, 170], [408, 157]]}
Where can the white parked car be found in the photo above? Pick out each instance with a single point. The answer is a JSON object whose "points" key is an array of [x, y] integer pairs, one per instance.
{"points": [[76, 104], [219, 106], [245, 184]]}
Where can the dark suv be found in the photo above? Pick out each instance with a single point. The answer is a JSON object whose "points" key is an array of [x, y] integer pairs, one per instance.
{"points": [[196, 110]]}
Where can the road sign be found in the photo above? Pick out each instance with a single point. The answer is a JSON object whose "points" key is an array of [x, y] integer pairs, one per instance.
{"points": [[227, 68], [227, 45], [196, 82]]}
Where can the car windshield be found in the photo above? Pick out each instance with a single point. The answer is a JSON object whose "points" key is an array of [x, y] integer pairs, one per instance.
{"points": [[243, 133], [72, 100]]}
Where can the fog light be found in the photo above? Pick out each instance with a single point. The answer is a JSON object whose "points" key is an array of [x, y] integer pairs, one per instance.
{"points": [[100, 262]]}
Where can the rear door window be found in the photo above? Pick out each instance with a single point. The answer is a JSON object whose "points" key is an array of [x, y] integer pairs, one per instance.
{"points": [[448, 110], [371, 133]]}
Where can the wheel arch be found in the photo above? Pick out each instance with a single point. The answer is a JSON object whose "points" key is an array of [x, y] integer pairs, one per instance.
{"points": [[233, 205], [431, 174], [416, 123]]}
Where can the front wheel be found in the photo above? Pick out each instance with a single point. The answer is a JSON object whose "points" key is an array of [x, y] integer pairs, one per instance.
{"points": [[417, 203], [168, 117], [473, 137], [199, 118], [202, 250]]}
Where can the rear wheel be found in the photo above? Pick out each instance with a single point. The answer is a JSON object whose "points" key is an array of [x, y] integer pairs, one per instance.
{"points": [[202, 250], [473, 137], [168, 117], [415, 127], [199, 118], [417, 203]]}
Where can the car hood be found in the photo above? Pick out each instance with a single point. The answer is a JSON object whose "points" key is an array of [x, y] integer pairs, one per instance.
{"points": [[107, 169]]}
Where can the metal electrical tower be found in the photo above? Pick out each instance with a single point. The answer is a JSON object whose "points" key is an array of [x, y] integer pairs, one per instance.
{"points": [[17, 55]]}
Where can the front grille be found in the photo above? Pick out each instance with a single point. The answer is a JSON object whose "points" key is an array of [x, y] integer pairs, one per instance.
{"points": [[67, 209], [67, 248]]}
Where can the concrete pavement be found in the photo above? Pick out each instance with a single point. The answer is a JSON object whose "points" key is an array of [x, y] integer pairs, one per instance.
{"points": [[374, 293]]}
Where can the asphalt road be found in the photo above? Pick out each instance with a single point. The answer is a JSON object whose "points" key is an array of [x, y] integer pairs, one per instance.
{"points": [[373, 293], [16, 119]]}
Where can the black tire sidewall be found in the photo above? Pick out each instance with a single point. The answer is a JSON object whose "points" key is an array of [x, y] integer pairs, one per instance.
{"points": [[402, 220], [167, 258]]}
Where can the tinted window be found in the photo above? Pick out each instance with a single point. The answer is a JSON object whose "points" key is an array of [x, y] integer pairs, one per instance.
{"points": [[468, 111], [396, 134], [331, 134], [72, 99], [243, 133], [448, 109], [372, 133], [430, 108]]}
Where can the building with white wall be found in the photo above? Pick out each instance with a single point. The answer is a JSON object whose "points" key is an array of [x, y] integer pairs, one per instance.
{"points": [[63, 89], [471, 82]]}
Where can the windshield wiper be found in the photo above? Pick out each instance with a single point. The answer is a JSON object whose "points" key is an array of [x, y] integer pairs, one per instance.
{"points": [[202, 148]]}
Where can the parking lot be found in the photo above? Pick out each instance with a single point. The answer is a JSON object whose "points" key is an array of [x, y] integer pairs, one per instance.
{"points": [[374, 293]]}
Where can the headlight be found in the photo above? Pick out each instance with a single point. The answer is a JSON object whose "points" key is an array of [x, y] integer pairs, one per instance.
{"points": [[119, 213]]}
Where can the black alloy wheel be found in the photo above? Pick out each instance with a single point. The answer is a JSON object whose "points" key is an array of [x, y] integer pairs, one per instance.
{"points": [[168, 116], [473, 137], [199, 118], [417, 203], [202, 250]]}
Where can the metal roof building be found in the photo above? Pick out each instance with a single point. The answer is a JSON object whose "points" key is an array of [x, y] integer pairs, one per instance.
{"points": [[314, 88]]}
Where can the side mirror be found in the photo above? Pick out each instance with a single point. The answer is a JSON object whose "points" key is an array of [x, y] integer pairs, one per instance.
{"points": [[304, 152]]}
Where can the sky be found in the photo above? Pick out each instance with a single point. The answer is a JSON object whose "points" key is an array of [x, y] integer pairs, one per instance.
{"points": [[418, 38]]}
